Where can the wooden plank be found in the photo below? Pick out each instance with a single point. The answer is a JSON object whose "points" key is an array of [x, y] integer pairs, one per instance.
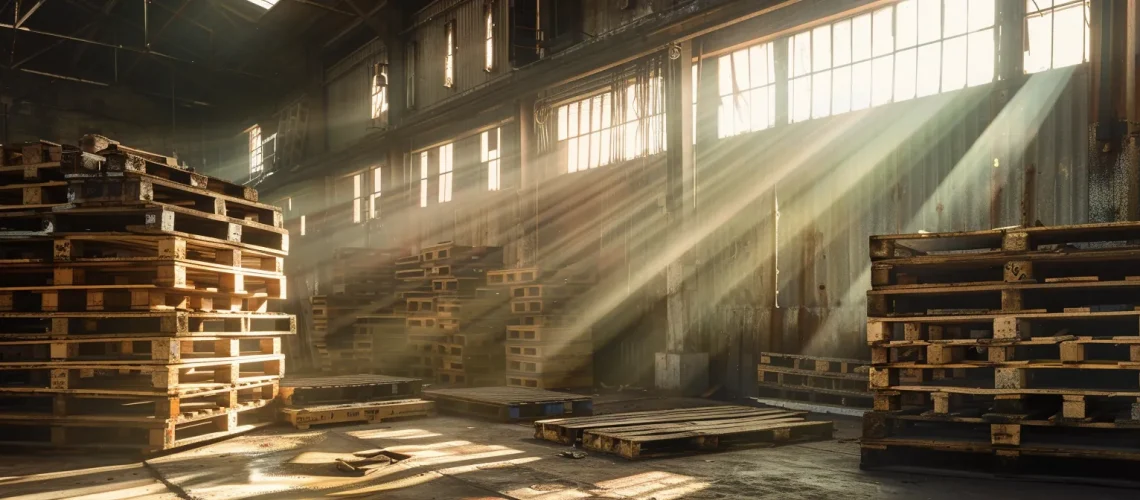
{"points": [[368, 412]]}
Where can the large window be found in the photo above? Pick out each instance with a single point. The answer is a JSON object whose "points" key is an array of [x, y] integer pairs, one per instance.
{"points": [[489, 153], [449, 55], [595, 138], [256, 160], [357, 198], [374, 198], [746, 81], [446, 176], [1057, 34], [379, 91], [423, 178], [489, 36], [911, 49]]}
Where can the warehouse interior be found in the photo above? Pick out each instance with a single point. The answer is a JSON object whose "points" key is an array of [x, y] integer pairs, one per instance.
{"points": [[557, 249]]}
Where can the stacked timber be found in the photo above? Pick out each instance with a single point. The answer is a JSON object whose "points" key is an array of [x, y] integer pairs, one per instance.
{"points": [[1018, 347], [361, 309], [815, 379], [137, 314], [421, 329], [545, 347], [469, 320]]}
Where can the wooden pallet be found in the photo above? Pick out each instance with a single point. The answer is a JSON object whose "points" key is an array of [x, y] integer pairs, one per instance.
{"points": [[674, 432], [816, 379], [109, 157], [346, 388], [153, 375], [30, 153], [110, 434], [503, 277], [31, 325], [134, 349], [583, 379], [65, 406], [139, 188], [64, 248], [509, 403], [369, 412], [148, 218]]}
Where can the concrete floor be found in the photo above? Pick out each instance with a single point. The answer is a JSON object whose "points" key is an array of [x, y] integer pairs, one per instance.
{"points": [[459, 458]]}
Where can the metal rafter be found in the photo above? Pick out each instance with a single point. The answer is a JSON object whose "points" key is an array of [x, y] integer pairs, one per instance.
{"points": [[362, 18], [24, 18], [158, 34], [325, 7]]}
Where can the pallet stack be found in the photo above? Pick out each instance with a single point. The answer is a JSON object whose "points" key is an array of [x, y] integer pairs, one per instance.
{"points": [[421, 330], [1016, 350], [360, 309], [835, 381], [545, 349], [469, 320], [137, 315], [341, 399]]}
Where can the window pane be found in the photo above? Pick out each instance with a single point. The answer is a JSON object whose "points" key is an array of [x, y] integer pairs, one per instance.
{"points": [[954, 64], [584, 118], [981, 58], [595, 148], [906, 27], [821, 48], [799, 92], [929, 69], [929, 20], [583, 152], [861, 38], [799, 54], [981, 14], [757, 63], [883, 39], [356, 186], [1068, 36], [954, 22], [607, 111], [882, 76], [861, 85], [572, 118], [596, 113], [562, 123], [740, 113], [724, 121], [906, 68], [821, 94], [607, 155], [841, 42], [1038, 57], [572, 155], [841, 90], [740, 69], [724, 75], [377, 177]]}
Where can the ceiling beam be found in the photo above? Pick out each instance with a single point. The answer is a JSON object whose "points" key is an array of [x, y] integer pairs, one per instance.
{"points": [[362, 17], [157, 55], [323, 6], [24, 18], [78, 32]]}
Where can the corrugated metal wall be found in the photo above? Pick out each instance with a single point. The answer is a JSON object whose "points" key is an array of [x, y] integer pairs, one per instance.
{"points": [[787, 268], [431, 46], [601, 16], [348, 90]]}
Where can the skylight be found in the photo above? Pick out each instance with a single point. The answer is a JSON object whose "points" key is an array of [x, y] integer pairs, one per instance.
{"points": [[265, 4]]}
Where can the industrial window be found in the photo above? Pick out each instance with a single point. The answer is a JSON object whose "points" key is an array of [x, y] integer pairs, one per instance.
{"points": [[695, 88], [587, 128], [595, 138], [449, 57], [302, 225], [1057, 34], [490, 152], [357, 198], [256, 161], [445, 173], [410, 75], [489, 36], [265, 4], [747, 90], [379, 91], [374, 199], [423, 178], [914, 48]]}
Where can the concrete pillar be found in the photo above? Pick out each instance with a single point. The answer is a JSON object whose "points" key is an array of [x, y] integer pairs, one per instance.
{"points": [[681, 367]]}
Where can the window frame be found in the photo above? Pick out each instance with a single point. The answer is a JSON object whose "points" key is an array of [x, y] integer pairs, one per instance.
{"points": [[737, 104], [1051, 11], [379, 110], [374, 197], [358, 206], [450, 40], [492, 158], [256, 158], [423, 179], [446, 172], [637, 136], [489, 36]]}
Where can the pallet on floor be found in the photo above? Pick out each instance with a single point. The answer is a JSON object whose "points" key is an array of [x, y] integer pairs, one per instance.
{"points": [[668, 433], [509, 404], [346, 388], [366, 412], [814, 379]]}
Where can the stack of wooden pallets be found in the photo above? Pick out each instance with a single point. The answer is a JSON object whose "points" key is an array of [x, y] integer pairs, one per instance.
{"points": [[545, 347], [137, 315], [30, 176], [815, 379], [469, 321], [1017, 350], [361, 309]]}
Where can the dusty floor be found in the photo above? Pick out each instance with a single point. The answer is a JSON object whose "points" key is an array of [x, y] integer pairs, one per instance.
{"points": [[469, 459]]}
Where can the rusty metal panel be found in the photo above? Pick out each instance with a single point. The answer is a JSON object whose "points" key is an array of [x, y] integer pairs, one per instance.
{"points": [[430, 36], [348, 91], [946, 162]]}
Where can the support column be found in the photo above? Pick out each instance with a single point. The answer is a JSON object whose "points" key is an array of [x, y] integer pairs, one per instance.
{"points": [[681, 367]]}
